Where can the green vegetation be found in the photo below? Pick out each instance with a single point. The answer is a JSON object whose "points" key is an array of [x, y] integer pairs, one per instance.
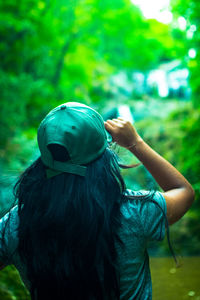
{"points": [[10, 277], [55, 51]]}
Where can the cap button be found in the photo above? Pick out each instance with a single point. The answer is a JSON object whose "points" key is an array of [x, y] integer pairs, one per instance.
{"points": [[63, 107]]}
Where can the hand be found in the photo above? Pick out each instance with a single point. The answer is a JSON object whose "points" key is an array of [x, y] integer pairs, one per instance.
{"points": [[123, 132]]}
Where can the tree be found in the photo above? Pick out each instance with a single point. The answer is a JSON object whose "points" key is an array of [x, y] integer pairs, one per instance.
{"points": [[55, 51]]}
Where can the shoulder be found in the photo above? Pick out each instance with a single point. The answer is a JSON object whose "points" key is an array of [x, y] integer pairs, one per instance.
{"points": [[146, 198], [149, 208]]}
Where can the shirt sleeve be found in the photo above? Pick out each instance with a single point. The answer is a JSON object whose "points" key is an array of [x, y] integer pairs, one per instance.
{"points": [[152, 211], [8, 235], [150, 208]]}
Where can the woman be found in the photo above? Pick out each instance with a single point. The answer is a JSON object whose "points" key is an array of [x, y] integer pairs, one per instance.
{"points": [[77, 233]]}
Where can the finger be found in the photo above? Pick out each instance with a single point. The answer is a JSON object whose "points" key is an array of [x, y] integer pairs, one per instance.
{"points": [[111, 122], [116, 121], [123, 120], [115, 124], [108, 126]]}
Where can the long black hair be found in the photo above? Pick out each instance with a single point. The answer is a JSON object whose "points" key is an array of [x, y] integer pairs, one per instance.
{"points": [[68, 230]]}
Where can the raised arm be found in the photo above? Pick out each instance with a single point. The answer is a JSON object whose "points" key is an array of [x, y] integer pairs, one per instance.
{"points": [[178, 192]]}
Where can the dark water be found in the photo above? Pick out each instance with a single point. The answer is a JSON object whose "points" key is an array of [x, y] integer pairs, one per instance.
{"points": [[169, 282]]}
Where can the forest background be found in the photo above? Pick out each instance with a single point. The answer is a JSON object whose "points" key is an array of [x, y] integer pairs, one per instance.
{"points": [[52, 52]]}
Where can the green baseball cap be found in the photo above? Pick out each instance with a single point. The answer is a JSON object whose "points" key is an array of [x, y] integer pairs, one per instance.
{"points": [[80, 130]]}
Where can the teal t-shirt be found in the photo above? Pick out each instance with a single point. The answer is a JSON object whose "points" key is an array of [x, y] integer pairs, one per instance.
{"points": [[142, 221]]}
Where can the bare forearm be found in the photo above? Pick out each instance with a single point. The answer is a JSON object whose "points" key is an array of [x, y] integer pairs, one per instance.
{"points": [[164, 173]]}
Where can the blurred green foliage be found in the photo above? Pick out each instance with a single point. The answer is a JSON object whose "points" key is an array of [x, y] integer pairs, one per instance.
{"points": [[189, 153], [55, 51], [190, 9], [10, 277]]}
